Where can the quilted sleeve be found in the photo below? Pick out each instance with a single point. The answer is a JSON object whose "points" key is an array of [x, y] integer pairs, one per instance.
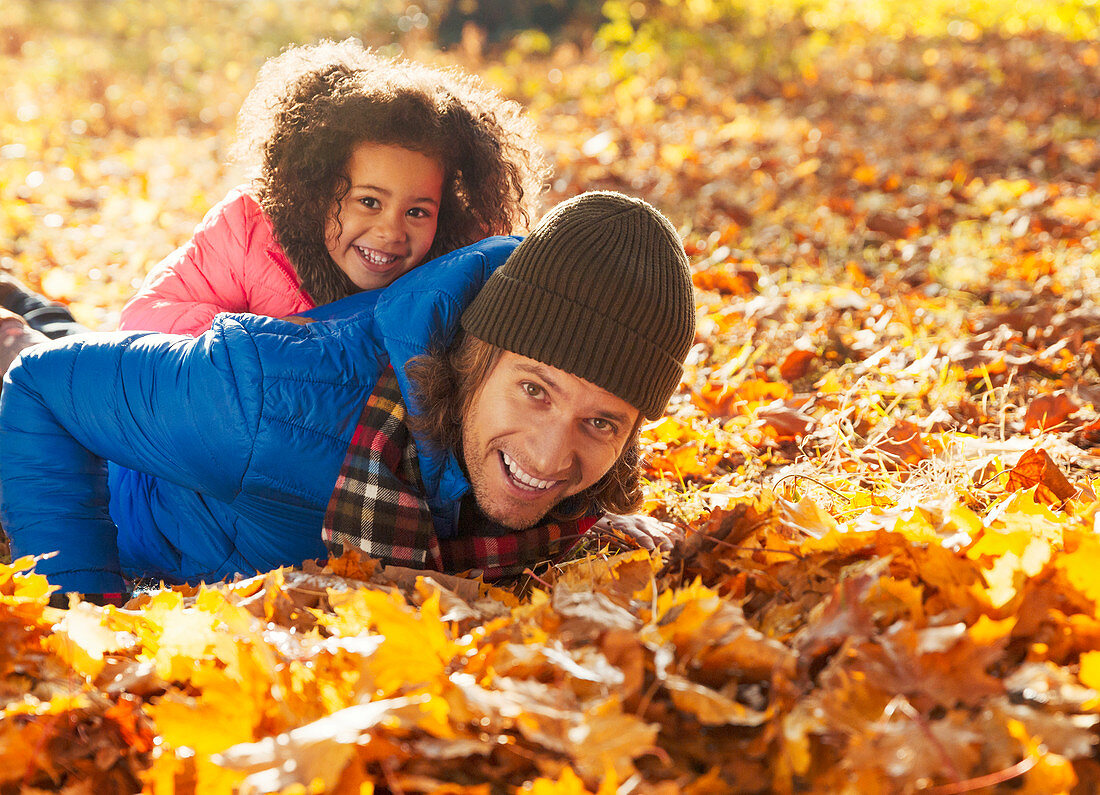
{"points": [[174, 407]]}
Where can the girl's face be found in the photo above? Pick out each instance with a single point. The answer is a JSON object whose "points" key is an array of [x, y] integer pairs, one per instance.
{"points": [[386, 223]]}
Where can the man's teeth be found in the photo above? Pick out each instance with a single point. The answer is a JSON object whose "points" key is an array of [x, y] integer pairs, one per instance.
{"points": [[523, 477], [376, 257]]}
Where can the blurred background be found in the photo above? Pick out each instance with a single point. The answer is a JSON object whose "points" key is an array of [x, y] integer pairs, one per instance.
{"points": [[798, 137]]}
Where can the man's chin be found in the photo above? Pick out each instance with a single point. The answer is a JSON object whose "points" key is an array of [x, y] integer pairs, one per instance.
{"points": [[511, 516], [513, 520]]}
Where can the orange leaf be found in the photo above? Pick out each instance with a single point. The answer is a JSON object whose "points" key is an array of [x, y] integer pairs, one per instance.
{"points": [[727, 280], [685, 460], [903, 446], [1049, 411], [785, 421], [796, 364], [1036, 469], [1080, 567], [723, 400]]}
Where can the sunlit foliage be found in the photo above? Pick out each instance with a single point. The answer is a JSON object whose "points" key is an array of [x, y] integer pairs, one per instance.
{"points": [[883, 454]]}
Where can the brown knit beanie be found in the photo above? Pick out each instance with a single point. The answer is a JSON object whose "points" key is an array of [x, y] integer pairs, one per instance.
{"points": [[600, 289]]}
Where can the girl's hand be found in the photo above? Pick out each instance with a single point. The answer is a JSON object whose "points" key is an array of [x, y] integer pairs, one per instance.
{"points": [[298, 319], [648, 532]]}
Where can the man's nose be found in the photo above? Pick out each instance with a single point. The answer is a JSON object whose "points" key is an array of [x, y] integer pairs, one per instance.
{"points": [[552, 450]]}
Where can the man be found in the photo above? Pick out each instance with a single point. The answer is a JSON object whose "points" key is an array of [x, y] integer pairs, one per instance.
{"points": [[468, 416]]}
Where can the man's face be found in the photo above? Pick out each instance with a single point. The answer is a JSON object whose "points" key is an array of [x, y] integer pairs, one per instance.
{"points": [[534, 435]]}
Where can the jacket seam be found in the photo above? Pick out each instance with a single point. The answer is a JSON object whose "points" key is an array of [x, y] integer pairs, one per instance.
{"points": [[306, 380], [261, 394], [304, 428]]}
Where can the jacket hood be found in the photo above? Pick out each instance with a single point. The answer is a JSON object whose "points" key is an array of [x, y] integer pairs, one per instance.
{"points": [[417, 312]]}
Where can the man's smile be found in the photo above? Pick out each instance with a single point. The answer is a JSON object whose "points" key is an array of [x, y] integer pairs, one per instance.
{"points": [[525, 480]]}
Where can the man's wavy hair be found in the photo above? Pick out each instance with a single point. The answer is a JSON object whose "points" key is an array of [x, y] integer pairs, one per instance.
{"points": [[444, 385], [312, 105]]}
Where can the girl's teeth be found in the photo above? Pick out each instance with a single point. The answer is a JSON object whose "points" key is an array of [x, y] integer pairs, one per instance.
{"points": [[376, 257], [523, 477]]}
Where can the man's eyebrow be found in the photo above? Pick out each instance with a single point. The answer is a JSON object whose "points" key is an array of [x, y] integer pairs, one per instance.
{"points": [[379, 189], [541, 370], [544, 373]]}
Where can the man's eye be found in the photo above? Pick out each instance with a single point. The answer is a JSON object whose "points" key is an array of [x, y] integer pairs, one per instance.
{"points": [[532, 390], [602, 425]]}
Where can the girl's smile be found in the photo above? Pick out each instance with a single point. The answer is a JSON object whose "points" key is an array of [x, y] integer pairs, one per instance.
{"points": [[386, 223], [378, 261]]}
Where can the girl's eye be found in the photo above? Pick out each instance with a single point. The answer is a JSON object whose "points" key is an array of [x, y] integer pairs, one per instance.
{"points": [[419, 212], [370, 202]]}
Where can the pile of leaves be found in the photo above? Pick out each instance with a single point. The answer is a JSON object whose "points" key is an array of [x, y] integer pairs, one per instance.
{"points": [[883, 453], [920, 647]]}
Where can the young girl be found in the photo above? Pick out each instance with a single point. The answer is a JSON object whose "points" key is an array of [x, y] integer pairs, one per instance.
{"points": [[367, 168]]}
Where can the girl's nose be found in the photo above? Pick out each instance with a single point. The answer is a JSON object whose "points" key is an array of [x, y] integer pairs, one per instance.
{"points": [[391, 226]]}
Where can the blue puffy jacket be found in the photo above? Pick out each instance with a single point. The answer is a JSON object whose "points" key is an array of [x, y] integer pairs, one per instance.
{"points": [[231, 441]]}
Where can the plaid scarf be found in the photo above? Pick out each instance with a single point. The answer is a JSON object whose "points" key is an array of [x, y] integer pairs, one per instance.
{"points": [[377, 506]]}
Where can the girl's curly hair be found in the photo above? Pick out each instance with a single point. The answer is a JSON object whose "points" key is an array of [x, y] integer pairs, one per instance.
{"points": [[312, 105], [445, 382]]}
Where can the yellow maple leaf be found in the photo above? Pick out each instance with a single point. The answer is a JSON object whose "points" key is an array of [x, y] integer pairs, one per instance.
{"points": [[994, 544], [1080, 567], [808, 517], [1089, 672], [1022, 512], [987, 631], [212, 722], [417, 647], [176, 637], [917, 528], [230, 704], [691, 606], [569, 783], [1003, 579], [81, 639], [19, 583]]}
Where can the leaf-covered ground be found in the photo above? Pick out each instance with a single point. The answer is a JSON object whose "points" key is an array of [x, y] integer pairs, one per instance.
{"points": [[883, 454]]}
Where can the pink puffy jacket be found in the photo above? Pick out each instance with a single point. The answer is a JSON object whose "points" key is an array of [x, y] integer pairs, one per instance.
{"points": [[231, 264]]}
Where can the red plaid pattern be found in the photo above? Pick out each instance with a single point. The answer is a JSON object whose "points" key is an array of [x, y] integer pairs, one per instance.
{"points": [[499, 552], [376, 506]]}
